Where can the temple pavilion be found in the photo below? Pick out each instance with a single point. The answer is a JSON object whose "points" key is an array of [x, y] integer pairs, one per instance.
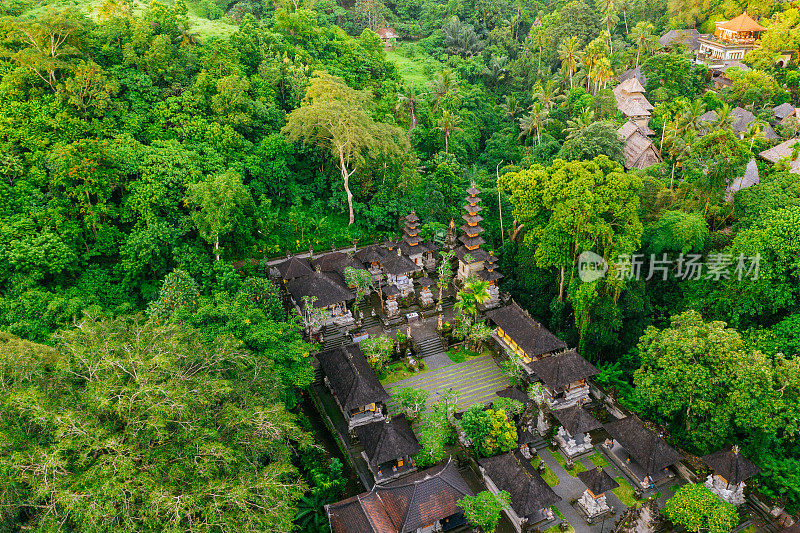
{"points": [[732, 39]]}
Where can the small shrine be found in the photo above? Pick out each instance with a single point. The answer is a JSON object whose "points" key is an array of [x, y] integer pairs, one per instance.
{"points": [[392, 305], [573, 435], [491, 276], [592, 502], [729, 470], [425, 295]]}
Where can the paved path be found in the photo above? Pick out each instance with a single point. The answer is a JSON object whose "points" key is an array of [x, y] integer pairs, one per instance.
{"points": [[477, 381], [571, 488]]}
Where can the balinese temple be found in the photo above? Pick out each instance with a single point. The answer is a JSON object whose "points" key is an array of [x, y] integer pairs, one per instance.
{"points": [[412, 245], [470, 255], [729, 470], [593, 502], [492, 276], [732, 39]]}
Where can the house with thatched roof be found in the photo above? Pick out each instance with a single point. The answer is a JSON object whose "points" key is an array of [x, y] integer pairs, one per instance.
{"points": [[354, 385], [638, 149], [632, 102], [783, 151], [389, 447], [645, 456], [516, 331], [565, 377], [573, 435]]}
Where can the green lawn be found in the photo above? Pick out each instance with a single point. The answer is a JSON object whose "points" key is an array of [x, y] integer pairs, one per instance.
{"points": [[557, 529], [625, 492], [577, 466], [461, 354], [549, 476], [749, 529], [599, 460], [411, 70], [398, 371]]}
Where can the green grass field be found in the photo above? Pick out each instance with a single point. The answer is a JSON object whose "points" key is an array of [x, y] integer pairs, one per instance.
{"points": [[203, 27], [625, 492], [598, 460], [418, 69], [577, 466], [549, 476]]}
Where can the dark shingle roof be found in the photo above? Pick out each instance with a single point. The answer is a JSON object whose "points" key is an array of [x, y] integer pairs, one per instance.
{"points": [[494, 275], [404, 505], [558, 371], [575, 420], [390, 290], [294, 267], [479, 254], [597, 481], [319, 285], [528, 491], [731, 465], [371, 254], [351, 377], [689, 38], [466, 240], [647, 448], [336, 262], [782, 111], [530, 335], [425, 281], [399, 264], [514, 393], [387, 441]]}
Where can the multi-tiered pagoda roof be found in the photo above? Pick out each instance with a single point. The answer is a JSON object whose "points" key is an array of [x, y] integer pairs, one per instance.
{"points": [[471, 239], [412, 243]]}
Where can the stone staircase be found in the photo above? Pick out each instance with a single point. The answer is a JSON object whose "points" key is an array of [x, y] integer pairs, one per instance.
{"points": [[448, 302], [334, 337], [368, 321], [430, 347], [538, 441]]}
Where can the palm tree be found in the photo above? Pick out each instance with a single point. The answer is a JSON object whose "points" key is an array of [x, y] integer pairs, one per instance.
{"points": [[547, 94], [534, 122], [511, 106], [443, 86], [642, 37], [602, 73], [755, 130], [408, 100], [624, 5], [591, 55], [579, 123], [448, 124], [691, 115], [725, 118], [570, 55], [475, 294], [610, 18]]}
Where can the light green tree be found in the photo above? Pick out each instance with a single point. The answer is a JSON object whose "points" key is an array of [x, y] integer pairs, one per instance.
{"points": [[696, 508], [337, 118], [218, 201], [483, 509]]}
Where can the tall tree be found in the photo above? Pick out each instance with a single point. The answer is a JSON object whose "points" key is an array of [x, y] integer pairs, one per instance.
{"points": [[336, 117], [448, 124], [570, 55], [219, 200]]}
